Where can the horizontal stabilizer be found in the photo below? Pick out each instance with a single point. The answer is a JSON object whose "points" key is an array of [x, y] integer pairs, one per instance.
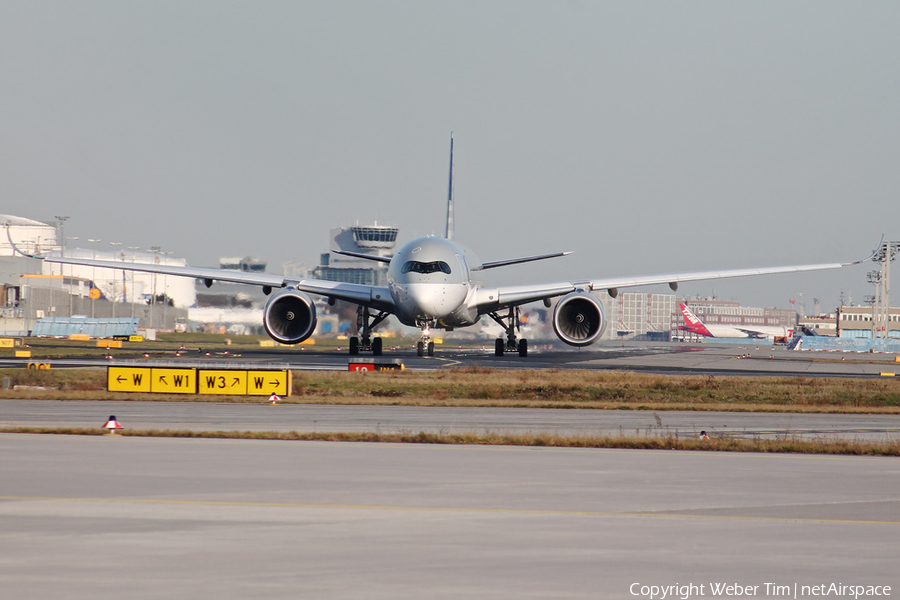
{"points": [[384, 259], [515, 261]]}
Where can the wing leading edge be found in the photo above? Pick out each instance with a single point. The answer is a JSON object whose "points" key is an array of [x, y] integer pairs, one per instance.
{"points": [[367, 295], [491, 299]]}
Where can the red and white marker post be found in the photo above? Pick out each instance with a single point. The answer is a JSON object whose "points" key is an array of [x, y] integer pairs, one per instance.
{"points": [[111, 425]]}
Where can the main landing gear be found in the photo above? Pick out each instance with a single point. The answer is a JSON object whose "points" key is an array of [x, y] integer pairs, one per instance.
{"points": [[511, 325], [426, 344], [367, 323]]}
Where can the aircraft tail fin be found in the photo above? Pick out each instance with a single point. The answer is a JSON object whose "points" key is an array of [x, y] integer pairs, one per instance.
{"points": [[693, 323], [448, 233]]}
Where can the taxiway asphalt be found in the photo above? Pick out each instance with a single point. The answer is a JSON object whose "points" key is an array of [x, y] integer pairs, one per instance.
{"points": [[210, 416], [99, 517]]}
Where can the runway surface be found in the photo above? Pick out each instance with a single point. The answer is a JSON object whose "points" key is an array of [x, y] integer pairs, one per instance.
{"points": [[207, 416], [94, 517], [654, 357]]}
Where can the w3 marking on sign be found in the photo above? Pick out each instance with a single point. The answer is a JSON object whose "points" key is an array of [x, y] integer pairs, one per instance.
{"points": [[222, 382]]}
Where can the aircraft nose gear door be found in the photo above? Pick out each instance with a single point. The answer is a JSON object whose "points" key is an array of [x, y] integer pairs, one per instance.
{"points": [[511, 325]]}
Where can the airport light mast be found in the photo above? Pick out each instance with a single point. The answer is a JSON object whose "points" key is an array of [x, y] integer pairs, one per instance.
{"points": [[134, 250], [155, 250], [61, 233], [874, 277], [94, 275], [881, 308], [113, 285]]}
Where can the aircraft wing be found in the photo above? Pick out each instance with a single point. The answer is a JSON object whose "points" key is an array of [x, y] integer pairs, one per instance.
{"points": [[374, 296], [753, 334], [275, 281], [490, 299], [673, 279]]}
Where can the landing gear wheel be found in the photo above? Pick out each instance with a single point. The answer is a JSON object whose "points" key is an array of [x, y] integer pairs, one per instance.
{"points": [[365, 323], [430, 348], [420, 348], [523, 348], [499, 347]]}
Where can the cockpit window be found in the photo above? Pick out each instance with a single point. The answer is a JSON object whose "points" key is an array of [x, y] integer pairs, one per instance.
{"points": [[426, 267]]}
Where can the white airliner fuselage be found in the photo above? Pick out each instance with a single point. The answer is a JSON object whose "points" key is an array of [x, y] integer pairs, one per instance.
{"points": [[693, 324], [429, 281]]}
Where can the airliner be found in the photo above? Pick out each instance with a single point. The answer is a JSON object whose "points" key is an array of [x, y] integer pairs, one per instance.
{"points": [[430, 287], [693, 324]]}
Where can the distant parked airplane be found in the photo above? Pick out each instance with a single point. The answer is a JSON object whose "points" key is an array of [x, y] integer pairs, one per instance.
{"points": [[430, 286], [693, 324]]}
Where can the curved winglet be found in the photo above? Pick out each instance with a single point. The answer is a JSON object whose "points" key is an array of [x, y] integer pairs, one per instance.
{"points": [[869, 257]]}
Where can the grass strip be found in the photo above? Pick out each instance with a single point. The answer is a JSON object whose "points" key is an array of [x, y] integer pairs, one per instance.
{"points": [[668, 442], [518, 389]]}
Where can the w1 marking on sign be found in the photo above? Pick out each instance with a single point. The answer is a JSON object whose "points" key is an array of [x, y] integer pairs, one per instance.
{"points": [[174, 381]]}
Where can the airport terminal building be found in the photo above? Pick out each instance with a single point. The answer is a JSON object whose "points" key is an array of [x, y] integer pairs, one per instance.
{"points": [[33, 292]]}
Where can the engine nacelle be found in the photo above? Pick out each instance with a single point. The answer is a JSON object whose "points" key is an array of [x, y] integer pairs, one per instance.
{"points": [[578, 319], [289, 316]]}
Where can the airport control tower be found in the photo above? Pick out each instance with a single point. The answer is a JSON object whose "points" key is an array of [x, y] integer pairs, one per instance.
{"points": [[376, 239]]}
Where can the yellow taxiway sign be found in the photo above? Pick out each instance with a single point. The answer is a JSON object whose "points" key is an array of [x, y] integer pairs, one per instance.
{"points": [[128, 379], [224, 382], [174, 381], [266, 383]]}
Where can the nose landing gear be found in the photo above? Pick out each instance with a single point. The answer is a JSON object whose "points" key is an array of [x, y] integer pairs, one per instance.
{"points": [[426, 344]]}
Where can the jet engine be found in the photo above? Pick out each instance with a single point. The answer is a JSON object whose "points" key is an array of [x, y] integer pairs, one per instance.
{"points": [[578, 319], [289, 316]]}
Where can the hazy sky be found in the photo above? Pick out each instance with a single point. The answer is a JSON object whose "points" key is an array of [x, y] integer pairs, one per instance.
{"points": [[643, 136]]}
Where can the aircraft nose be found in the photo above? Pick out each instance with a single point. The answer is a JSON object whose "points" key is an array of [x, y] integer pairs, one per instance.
{"points": [[431, 301], [426, 301]]}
